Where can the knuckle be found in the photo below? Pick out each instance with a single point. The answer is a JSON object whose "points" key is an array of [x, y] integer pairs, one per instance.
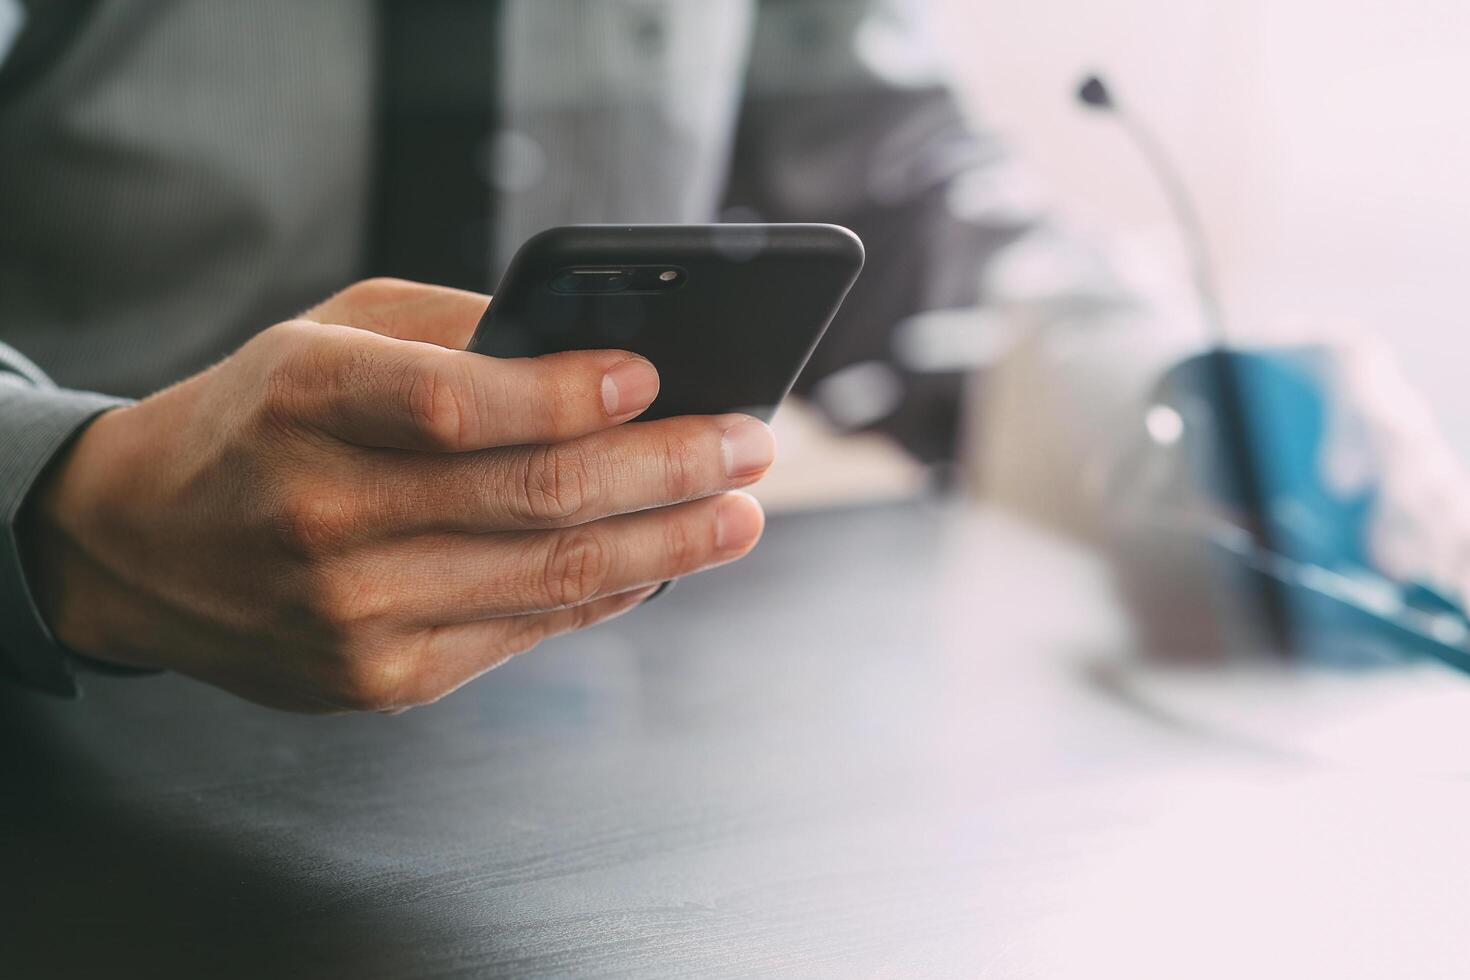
{"points": [[350, 604], [555, 484], [524, 638], [374, 290], [434, 405], [372, 684], [375, 284], [681, 465], [312, 522], [354, 692], [299, 349], [344, 610], [684, 550], [576, 568], [292, 358], [277, 333], [280, 399], [288, 334], [334, 610]]}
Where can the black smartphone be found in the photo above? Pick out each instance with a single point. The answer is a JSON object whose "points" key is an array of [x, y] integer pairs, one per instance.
{"points": [[728, 314]]}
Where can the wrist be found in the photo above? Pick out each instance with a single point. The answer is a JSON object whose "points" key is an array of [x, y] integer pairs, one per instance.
{"points": [[61, 547]]}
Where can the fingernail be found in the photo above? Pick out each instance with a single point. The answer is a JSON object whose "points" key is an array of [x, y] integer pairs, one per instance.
{"points": [[748, 447], [738, 522], [629, 387]]}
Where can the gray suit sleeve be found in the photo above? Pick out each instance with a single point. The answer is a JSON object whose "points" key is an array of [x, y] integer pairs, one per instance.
{"points": [[37, 420]]}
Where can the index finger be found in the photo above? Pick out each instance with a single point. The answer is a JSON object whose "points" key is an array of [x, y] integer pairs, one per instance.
{"points": [[405, 310], [375, 391]]}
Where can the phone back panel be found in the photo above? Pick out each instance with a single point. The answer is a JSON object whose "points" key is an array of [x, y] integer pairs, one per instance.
{"points": [[752, 302]]}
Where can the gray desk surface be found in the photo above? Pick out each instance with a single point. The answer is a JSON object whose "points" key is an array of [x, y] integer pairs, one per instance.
{"points": [[877, 748]]}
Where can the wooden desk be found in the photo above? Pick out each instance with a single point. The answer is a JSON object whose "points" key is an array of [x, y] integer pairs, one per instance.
{"points": [[878, 748]]}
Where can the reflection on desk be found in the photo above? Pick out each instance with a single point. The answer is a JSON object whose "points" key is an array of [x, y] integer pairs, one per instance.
{"points": [[877, 748]]}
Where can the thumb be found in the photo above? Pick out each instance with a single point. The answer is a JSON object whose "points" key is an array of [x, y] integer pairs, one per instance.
{"points": [[405, 311]]}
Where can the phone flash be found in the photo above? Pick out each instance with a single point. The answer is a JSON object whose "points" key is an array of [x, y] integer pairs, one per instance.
{"points": [[669, 275]]}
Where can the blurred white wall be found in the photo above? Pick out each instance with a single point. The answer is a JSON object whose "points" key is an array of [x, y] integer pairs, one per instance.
{"points": [[1327, 140]]}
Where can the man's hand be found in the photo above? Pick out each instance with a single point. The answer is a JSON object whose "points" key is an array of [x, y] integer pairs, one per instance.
{"points": [[351, 513]]}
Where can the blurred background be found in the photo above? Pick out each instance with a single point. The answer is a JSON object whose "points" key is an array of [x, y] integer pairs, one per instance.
{"points": [[1324, 148], [1327, 145]]}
